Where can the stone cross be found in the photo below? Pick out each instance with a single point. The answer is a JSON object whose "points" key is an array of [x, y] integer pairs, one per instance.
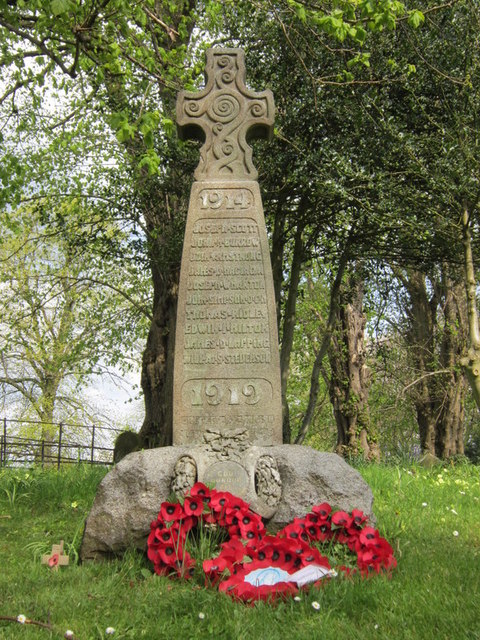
{"points": [[225, 116], [226, 387], [56, 558]]}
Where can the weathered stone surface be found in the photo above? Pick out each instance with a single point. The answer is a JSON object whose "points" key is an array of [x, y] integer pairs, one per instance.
{"points": [[225, 116], [127, 500], [227, 368], [129, 497], [310, 477]]}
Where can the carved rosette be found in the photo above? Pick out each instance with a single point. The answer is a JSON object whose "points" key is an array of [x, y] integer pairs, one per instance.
{"points": [[224, 116]]}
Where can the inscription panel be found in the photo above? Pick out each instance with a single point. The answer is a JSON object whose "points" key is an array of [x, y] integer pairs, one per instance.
{"points": [[226, 349], [227, 476]]}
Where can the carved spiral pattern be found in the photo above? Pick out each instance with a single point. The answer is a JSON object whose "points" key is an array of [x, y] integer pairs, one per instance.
{"points": [[258, 109], [192, 109], [224, 108], [226, 62], [228, 148]]}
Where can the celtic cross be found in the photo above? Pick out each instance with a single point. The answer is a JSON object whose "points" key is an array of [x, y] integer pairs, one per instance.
{"points": [[225, 116]]}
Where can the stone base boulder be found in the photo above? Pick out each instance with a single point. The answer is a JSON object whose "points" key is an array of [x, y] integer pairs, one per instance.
{"points": [[129, 497]]}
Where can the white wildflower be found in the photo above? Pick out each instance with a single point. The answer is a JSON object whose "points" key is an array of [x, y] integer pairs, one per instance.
{"points": [[21, 619], [316, 605], [456, 534], [201, 615]]}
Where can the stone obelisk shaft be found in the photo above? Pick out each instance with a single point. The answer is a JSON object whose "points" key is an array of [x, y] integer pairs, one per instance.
{"points": [[226, 370]]}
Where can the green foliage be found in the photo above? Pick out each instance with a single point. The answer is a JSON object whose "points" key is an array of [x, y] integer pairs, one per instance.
{"points": [[66, 313]]}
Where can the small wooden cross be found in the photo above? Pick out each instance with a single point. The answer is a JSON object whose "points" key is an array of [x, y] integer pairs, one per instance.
{"points": [[56, 558], [225, 116]]}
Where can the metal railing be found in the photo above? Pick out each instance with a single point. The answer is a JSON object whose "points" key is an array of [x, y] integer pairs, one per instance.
{"points": [[72, 443]]}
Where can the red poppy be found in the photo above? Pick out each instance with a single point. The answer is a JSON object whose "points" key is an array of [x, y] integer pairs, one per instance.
{"points": [[358, 517], [292, 530], [170, 511], [341, 519], [249, 548], [53, 560], [185, 525], [368, 536], [324, 531], [168, 554], [322, 510], [193, 506], [214, 568], [199, 490]]}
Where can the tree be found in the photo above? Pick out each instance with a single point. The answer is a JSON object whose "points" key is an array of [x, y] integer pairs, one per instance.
{"points": [[124, 63], [66, 316], [350, 377], [434, 331]]}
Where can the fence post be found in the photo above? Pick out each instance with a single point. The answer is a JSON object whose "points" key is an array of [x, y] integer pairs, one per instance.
{"points": [[60, 429], [4, 443], [93, 444]]}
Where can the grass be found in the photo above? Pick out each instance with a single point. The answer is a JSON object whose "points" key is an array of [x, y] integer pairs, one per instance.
{"points": [[433, 595]]}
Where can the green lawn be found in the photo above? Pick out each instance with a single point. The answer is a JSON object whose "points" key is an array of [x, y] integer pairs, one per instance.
{"points": [[432, 518]]}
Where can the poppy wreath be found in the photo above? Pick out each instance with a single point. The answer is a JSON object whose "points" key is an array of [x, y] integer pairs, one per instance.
{"points": [[248, 548]]}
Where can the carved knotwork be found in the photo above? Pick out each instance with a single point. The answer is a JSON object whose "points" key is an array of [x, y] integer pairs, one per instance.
{"points": [[225, 116]]}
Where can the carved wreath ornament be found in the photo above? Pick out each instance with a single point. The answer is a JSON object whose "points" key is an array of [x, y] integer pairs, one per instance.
{"points": [[253, 565]]}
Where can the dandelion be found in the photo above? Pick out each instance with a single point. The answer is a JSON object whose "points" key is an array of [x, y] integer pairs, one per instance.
{"points": [[316, 605], [201, 615], [456, 534], [424, 504], [109, 631], [21, 619]]}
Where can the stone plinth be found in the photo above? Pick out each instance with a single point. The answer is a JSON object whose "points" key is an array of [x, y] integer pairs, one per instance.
{"points": [[129, 497]]}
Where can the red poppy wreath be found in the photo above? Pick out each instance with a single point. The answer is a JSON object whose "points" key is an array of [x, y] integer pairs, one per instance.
{"points": [[253, 565]]}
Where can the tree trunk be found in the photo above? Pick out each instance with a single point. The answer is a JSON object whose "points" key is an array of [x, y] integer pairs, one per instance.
{"points": [[317, 365], [349, 380], [436, 341], [449, 433], [165, 214], [471, 362], [420, 338], [289, 327], [157, 364]]}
